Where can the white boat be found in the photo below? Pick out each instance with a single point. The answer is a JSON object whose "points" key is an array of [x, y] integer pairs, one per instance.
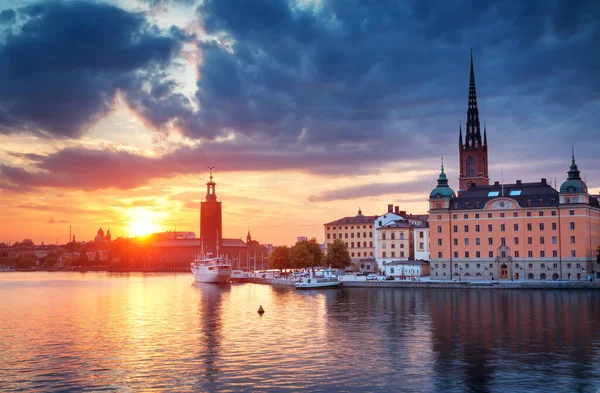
{"points": [[7, 268], [325, 279], [239, 276], [214, 270]]}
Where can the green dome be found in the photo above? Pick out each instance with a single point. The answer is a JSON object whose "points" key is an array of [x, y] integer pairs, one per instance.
{"points": [[442, 190], [573, 182]]}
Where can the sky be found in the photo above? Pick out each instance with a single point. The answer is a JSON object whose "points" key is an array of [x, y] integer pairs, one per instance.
{"points": [[111, 111]]}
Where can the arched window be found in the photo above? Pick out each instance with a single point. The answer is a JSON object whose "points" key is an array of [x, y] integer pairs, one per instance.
{"points": [[530, 276], [467, 274], [402, 236], [543, 276], [383, 236], [470, 167], [478, 274]]}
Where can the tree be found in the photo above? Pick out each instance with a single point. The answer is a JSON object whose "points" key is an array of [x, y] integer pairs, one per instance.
{"points": [[337, 255], [26, 262], [83, 259], [279, 258], [300, 256], [315, 250]]}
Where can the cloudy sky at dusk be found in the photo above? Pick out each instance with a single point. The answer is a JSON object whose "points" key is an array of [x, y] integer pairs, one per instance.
{"points": [[111, 111]]}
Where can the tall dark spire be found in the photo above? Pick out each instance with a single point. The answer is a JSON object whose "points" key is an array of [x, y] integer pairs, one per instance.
{"points": [[574, 173], [484, 134], [473, 138], [460, 140]]}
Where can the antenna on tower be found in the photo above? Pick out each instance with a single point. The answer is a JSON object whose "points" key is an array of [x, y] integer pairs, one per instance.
{"points": [[502, 179]]}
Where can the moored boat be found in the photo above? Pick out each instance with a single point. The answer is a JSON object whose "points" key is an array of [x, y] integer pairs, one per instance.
{"points": [[213, 270], [325, 280], [239, 276]]}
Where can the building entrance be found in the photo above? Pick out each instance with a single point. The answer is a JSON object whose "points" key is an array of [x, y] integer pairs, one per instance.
{"points": [[504, 271]]}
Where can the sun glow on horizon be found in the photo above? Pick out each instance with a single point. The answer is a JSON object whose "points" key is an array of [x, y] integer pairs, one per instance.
{"points": [[142, 222]]}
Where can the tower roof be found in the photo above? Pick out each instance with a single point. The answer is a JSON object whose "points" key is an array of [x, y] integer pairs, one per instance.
{"points": [[473, 137], [573, 182], [442, 190]]}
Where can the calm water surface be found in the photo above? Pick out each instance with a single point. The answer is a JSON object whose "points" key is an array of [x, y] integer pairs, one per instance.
{"points": [[160, 332]]}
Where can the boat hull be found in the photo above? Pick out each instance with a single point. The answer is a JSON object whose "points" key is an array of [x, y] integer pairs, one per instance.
{"points": [[221, 277], [307, 286]]}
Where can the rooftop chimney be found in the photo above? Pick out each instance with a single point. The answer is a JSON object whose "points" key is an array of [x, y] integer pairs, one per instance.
{"points": [[390, 208], [496, 183], [396, 209], [544, 180], [403, 213], [518, 181]]}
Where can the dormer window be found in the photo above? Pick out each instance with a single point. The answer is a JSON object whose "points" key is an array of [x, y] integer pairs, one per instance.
{"points": [[515, 192]]}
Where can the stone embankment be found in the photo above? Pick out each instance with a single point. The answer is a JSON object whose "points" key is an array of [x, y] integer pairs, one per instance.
{"points": [[447, 285]]}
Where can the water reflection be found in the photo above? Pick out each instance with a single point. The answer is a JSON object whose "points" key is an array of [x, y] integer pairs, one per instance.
{"points": [[73, 332]]}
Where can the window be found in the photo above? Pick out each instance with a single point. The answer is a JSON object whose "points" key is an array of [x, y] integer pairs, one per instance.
{"points": [[370, 244], [491, 255], [439, 254], [439, 242], [358, 235], [573, 254], [554, 254], [466, 241], [493, 193], [572, 225], [439, 229], [502, 227], [443, 265], [455, 241], [530, 254], [542, 254], [572, 239], [541, 226], [383, 236], [541, 213], [476, 241], [515, 193], [528, 214], [456, 265], [393, 237], [329, 235], [531, 265], [517, 265], [353, 254], [436, 265], [467, 256], [555, 265], [489, 215], [529, 240], [466, 228], [503, 241], [515, 214], [568, 265], [516, 241], [466, 216], [334, 235], [353, 245], [393, 254], [477, 215], [489, 227], [346, 235], [516, 254], [383, 254], [421, 246], [529, 226], [439, 216], [542, 240], [490, 241], [554, 226], [491, 265], [370, 234], [393, 245], [553, 213], [477, 255], [516, 227], [571, 212], [455, 254], [421, 235], [578, 266], [477, 228], [402, 254], [455, 228]]}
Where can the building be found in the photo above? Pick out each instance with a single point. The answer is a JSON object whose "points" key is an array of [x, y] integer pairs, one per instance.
{"points": [[356, 232], [101, 237], [211, 220], [406, 269], [517, 231]]}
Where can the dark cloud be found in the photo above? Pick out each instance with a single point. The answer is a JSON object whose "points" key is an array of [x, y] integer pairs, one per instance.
{"points": [[8, 16], [61, 69]]}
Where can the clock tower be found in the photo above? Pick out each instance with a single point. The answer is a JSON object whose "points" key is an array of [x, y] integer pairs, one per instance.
{"points": [[473, 153]]}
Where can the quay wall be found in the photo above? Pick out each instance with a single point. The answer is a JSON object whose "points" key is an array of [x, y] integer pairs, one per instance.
{"points": [[447, 285]]}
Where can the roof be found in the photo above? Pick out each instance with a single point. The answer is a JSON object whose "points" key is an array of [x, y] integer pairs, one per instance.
{"points": [[398, 263], [358, 219], [233, 243], [525, 194], [397, 224]]}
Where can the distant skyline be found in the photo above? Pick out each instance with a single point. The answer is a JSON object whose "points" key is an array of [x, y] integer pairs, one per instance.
{"points": [[111, 111]]}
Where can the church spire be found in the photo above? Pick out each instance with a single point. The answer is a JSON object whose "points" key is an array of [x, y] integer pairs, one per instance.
{"points": [[460, 139], [484, 134], [473, 138], [574, 173]]}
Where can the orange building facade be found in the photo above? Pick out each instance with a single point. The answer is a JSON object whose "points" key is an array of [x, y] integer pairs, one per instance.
{"points": [[518, 231]]}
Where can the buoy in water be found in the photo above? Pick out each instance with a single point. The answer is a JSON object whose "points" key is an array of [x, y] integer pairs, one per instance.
{"points": [[261, 311]]}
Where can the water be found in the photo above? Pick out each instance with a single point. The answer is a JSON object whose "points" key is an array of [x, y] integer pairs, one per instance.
{"points": [[159, 332]]}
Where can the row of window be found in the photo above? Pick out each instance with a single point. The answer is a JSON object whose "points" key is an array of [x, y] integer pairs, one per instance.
{"points": [[351, 235], [346, 227], [517, 266], [393, 245], [530, 276], [364, 254], [393, 236], [572, 239], [467, 254], [502, 215], [393, 254], [364, 245], [490, 227]]}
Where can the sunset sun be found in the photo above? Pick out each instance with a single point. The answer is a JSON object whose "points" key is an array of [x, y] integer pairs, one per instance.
{"points": [[142, 222]]}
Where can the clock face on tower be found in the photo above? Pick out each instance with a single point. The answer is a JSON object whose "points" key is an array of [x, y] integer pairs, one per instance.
{"points": [[571, 189], [470, 184]]}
